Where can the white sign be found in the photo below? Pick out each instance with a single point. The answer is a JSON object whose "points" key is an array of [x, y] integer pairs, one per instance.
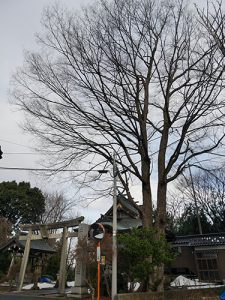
{"points": [[98, 253]]}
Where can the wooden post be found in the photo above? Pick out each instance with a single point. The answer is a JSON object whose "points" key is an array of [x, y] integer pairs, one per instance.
{"points": [[62, 270], [11, 265], [24, 260]]}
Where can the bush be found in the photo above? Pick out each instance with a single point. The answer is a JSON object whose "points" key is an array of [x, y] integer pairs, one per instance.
{"points": [[140, 251]]}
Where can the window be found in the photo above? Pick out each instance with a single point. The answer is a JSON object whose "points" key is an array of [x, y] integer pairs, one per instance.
{"points": [[207, 265]]}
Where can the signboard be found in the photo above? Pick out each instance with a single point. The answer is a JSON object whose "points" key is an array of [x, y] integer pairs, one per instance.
{"points": [[102, 260], [98, 252]]}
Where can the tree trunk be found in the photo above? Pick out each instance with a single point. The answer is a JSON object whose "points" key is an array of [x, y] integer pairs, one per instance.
{"points": [[146, 191], [147, 205], [145, 169], [161, 207], [161, 199]]}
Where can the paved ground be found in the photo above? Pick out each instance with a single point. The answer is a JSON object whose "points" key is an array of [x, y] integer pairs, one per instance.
{"points": [[42, 294], [7, 293], [30, 295], [21, 297], [15, 296]]}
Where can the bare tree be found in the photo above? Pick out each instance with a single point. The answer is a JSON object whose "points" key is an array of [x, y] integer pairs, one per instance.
{"points": [[213, 20], [57, 208], [138, 77], [205, 193]]}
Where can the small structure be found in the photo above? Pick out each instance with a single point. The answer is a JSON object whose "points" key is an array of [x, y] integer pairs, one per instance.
{"points": [[36, 241], [201, 256], [46, 231], [128, 215], [38, 249]]}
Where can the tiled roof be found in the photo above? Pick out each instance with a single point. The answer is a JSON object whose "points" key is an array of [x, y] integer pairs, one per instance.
{"points": [[35, 246], [128, 205], [39, 246], [123, 224], [128, 215], [211, 239]]}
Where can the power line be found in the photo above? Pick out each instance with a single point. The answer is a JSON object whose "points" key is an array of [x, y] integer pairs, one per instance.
{"points": [[46, 170], [25, 153], [14, 143]]}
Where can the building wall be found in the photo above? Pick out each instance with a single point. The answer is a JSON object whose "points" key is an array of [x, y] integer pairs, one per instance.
{"points": [[185, 259], [221, 263]]}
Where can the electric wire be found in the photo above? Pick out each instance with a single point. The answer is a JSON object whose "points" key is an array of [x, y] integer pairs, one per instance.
{"points": [[20, 153], [3, 140], [47, 170]]}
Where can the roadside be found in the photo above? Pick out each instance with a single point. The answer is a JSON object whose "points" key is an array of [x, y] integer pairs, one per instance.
{"points": [[7, 293]]}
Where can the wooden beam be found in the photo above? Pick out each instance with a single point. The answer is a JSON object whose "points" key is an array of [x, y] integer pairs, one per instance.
{"points": [[56, 225], [62, 270], [51, 236]]}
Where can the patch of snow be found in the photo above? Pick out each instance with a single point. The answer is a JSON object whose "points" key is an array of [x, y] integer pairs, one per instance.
{"points": [[43, 285], [182, 281], [136, 286], [192, 284], [46, 285], [70, 283], [205, 286]]}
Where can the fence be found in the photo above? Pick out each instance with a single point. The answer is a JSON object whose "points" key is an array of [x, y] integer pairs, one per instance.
{"points": [[200, 294]]}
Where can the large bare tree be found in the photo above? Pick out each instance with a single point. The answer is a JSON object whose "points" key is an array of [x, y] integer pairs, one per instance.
{"points": [[142, 78]]}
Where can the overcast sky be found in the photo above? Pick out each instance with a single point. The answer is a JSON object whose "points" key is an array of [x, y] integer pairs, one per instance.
{"points": [[19, 21]]}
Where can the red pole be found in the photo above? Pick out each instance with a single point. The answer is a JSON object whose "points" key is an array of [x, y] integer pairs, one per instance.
{"points": [[99, 270]]}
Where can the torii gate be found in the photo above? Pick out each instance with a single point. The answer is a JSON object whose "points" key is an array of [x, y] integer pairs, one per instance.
{"points": [[45, 234]]}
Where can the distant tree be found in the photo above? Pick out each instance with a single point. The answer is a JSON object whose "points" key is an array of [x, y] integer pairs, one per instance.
{"points": [[201, 195], [19, 203], [57, 208], [188, 222]]}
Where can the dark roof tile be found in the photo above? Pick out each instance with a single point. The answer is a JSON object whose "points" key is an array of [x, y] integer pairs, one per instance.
{"points": [[211, 239]]}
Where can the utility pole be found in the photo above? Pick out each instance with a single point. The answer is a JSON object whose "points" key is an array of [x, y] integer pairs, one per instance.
{"points": [[114, 239]]}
